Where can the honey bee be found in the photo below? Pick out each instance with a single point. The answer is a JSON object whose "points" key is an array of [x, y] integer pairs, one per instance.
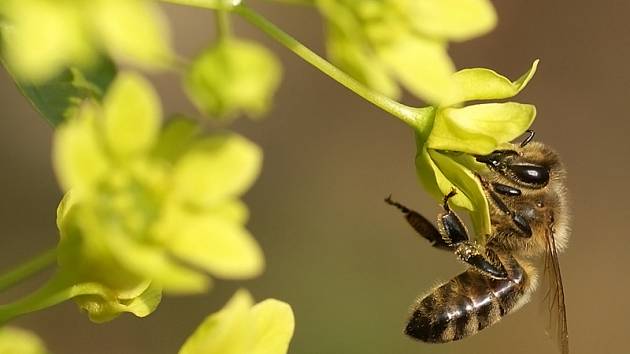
{"points": [[526, 191]]}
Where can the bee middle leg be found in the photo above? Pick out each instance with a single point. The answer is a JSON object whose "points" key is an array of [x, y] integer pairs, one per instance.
{"points": [[455, 236]]}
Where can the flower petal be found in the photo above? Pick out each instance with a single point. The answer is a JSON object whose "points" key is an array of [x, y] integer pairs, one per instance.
{"points": [[357, 61], [486, 84], [218, 168], [422, 65], [480, 129], [152, 262], [273, 324], [454, 19], [219, 246], [78, 158], [228, 331], [132, 115], [136, 31], [176, 137], [43, 37]]}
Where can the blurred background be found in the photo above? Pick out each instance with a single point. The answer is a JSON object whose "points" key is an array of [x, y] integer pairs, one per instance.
{"points": [[347, 263]]}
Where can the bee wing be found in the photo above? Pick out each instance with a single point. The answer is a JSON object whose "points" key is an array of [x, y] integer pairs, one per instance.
{"points": [[555, 294]]}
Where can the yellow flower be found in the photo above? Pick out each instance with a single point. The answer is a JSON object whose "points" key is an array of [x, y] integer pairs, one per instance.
{"points": [[43, 36], [150, 208], [18, 341], [445, 155], [243, 328], [382, 42], [233, 76]]}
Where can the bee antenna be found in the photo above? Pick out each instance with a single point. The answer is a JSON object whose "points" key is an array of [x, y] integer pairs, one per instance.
{"points": [[529, 137], [402, 208]]}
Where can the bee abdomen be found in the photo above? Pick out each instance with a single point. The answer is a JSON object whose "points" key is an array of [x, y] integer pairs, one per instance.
{"points": [[465, 305]]}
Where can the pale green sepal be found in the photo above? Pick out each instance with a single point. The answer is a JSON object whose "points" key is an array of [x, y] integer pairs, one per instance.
{"points": [[467, 185], [274, 325], [103, 305], [233, 76], [219, 246], [219, 167], [422, 66], [485, 84], [78, 158], [19, 341], [454, 19], [480, 129], [132, 115], [228, 331], [177, 136]]}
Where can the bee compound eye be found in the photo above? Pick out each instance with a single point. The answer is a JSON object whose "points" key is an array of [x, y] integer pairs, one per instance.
{"points": [[530, 174]]}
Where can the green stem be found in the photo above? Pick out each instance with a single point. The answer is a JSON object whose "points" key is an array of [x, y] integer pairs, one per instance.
{"points": [[27, 269], [224, 30], [421, 119], [58, 289], [409, 115], [206, 4]]}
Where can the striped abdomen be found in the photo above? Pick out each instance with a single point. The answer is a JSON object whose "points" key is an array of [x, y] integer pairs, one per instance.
{"points": [[467, 304]]}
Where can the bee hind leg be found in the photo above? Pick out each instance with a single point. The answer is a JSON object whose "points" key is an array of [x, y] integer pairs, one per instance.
{"points": [[422, 226]]}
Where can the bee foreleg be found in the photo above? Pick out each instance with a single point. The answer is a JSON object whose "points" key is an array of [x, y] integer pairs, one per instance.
{"points": [[483, 260], [422, 226]]}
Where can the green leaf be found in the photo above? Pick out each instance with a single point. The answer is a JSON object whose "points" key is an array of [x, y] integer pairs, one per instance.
{"points": [[57, 98], [480, 129], [454, 19], [486, 84], [19, 341], [274, 324]]}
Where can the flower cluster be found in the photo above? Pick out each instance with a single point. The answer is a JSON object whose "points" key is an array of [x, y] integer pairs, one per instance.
{"points": [[149, 208], [382, 42], [41, 37]]}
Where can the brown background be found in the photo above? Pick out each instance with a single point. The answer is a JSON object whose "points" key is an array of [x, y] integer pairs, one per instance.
{"points": [[346, 262]]}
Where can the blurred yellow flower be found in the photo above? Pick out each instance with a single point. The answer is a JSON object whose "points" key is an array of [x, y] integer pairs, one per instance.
{"points": [[18, 341], [150, 208], [244, 328], [43, 36], [382, 42], [233, 76]]}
